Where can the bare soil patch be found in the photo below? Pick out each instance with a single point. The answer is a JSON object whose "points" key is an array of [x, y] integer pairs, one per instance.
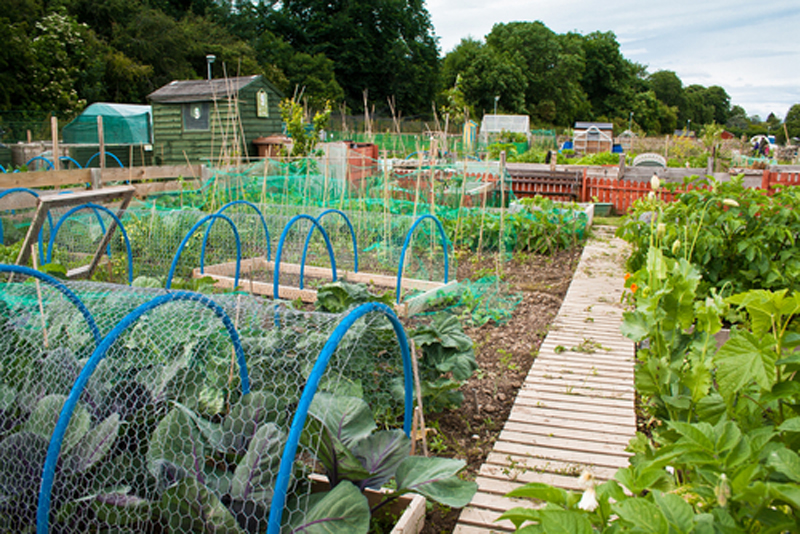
{"points": [[505, 354]]}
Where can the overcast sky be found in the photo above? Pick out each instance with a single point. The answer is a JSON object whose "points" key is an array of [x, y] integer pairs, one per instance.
{"points": [[751, 49]]}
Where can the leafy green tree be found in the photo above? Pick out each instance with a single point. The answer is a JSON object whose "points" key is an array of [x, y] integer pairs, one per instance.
{"points": [[313, 76], [792, 122], [696, 109], [385, 47], [668, 88], [652, 115], [737, 120], [609, 80], [490, 75], [716, 97], [551, 67]]}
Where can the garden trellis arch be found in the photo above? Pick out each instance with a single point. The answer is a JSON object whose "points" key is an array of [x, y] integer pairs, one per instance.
{"points": [[67, 292], [310, 233], [310, 389], [54, 449], [278, 253], [189, 234], [408, 240], [219, 212], [95, 208]]}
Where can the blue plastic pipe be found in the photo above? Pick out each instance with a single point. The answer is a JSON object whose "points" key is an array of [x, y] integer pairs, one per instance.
{"points": [[310, 389], [311, 231], [189, 235], [408, 240], [219, 212], [95, 208], [54, 449], [278, 253], [115, 158], [67, 292]]}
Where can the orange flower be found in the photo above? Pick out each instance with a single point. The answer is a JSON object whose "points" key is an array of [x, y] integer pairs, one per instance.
{"points": [[634, 287], [627, 275]]}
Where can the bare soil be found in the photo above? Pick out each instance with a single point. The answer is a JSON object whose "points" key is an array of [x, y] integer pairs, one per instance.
{"points": [[505, 354]]}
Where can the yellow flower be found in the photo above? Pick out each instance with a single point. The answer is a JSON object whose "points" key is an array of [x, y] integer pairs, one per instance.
{"points": [[676, 246]]}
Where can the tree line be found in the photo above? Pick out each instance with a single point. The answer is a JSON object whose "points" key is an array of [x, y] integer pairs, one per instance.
{"points": [[58, 56]]}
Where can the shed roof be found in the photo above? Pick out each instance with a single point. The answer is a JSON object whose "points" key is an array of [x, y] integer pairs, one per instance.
{"points": [[598, 125], [201, 90]]}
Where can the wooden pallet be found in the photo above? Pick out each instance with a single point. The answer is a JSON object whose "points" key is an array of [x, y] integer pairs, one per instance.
{"points": [[224, 274], [575, 410]]}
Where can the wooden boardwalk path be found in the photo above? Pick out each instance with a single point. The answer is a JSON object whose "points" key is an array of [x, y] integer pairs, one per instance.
{"points": [[575, 411]]}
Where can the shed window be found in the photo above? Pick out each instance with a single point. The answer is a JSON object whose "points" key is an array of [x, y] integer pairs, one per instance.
{"points": [[195, 116]]}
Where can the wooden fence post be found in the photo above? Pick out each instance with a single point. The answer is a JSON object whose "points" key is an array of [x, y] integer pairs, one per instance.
{"points": [[583, 188], [54, 132]]}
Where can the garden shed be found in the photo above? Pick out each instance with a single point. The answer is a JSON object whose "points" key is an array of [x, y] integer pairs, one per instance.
{"points": [[217, 120], [593, 137]]}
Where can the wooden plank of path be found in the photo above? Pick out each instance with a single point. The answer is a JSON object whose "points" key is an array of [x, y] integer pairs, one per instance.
{"points": [[575, 410]]}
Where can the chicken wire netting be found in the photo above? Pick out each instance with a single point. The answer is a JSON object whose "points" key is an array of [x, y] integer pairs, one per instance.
{"points": [[169, 433], [366, 242]]}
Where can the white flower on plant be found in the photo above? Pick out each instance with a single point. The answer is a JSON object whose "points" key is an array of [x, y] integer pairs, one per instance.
{"points": [[676, 246], [661, 229], [651, 195], [588, 501], [669, 468], [730, 202], [655, 183]]}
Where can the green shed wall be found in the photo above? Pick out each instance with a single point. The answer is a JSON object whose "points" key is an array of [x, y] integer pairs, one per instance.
{"points": [[171, 141]]}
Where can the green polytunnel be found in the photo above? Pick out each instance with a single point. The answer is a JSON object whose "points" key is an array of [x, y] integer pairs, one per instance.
{"points": [[123, 124]]}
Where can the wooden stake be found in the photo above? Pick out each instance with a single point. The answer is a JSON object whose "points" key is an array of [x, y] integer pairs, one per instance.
{"points": [[54, 132], [39, 297], [500, 251], [418, 387]]}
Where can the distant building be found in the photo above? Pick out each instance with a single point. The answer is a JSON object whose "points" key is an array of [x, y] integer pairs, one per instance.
{"points": [[495, 125], [216, 120], [593, 137]]}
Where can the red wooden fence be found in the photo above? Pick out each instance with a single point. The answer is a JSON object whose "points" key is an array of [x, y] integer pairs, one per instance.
{"points": [[772, 180], [622, 194]]}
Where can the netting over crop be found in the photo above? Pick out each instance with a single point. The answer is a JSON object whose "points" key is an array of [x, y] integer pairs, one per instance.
{"points": [[176, 421]]}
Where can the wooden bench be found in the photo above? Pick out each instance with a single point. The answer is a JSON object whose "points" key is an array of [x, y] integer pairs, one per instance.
{"points": [[531, 182]]}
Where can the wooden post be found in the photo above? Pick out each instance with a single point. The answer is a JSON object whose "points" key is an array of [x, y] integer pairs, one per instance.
{"points": [[621, 171], [102, 141], [584, 198], [54, 132], [765, 180], [28, 136]]}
